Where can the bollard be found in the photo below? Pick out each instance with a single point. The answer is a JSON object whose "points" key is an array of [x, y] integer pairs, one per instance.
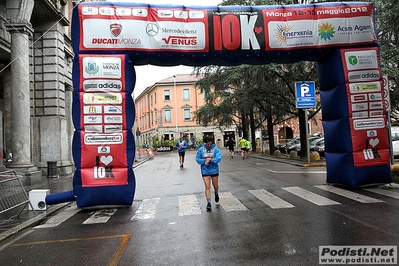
{"points": [[52, 169]]}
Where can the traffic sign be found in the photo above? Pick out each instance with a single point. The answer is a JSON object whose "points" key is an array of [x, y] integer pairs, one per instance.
{"points": [[305, 94]]}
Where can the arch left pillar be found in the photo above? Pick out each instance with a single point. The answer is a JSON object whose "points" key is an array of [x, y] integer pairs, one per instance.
{"points": [[20, 97]]}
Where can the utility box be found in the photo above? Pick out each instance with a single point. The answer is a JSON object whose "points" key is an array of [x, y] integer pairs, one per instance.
{"points": [[37, 198]]}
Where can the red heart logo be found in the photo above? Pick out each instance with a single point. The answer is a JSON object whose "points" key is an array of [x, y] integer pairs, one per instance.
{"points": [[258, 30]]}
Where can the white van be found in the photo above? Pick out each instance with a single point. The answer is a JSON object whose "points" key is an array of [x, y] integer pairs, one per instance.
{"points": [[395, 140]]}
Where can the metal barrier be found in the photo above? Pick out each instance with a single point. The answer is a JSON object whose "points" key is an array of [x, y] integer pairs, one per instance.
{"points": [[12, 192]]}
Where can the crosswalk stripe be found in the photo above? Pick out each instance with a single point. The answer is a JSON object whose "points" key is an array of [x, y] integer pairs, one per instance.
{"points": [[100, 216], [189, 205], [384, 192], [231, 203], [270, 199], [59, 218], [147, 209], [310, 196], [349, 194]]}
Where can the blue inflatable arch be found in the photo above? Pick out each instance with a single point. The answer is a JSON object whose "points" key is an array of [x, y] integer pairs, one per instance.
{"points": [[109, 39]]}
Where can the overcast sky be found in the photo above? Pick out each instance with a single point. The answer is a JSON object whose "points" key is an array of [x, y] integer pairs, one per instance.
{"points": [[148, 75]]}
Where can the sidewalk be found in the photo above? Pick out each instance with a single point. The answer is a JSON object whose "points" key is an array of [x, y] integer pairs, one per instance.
{"points": [[11, 224]]}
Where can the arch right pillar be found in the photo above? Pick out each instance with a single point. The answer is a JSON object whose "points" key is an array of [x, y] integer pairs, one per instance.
{"points": [[354, 118]]}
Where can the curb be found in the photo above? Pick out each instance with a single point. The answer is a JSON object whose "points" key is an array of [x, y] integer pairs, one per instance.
{"points": [[33, 221]]}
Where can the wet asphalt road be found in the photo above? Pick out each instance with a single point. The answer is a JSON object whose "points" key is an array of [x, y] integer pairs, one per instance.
{"points": [[168, 223]]}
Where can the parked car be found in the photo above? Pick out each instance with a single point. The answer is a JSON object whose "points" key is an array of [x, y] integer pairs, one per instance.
{"points": [[282, 146], [395, 140], [315, 143], [297, 148], [320, 150]]}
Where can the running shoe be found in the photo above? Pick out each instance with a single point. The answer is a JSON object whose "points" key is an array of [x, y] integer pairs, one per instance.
{"points": [[181, 166], [216, 197], [208, 207]]}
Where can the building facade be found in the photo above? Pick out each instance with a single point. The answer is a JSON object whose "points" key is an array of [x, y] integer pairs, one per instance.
{"points": [[165, 111], [35, 86]]}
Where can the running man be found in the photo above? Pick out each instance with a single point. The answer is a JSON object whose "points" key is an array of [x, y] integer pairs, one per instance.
{"points": [[181, 148]]}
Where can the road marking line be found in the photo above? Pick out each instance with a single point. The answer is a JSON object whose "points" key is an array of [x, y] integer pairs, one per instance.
{"points": [[231, 203], [147, 209], [100, 216], [270, 199], [310, 196], [189, 205], [295, 172], [349, 194], [384, 192], [59, 218]]}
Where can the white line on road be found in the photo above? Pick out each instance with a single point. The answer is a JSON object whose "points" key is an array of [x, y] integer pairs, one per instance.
{"points": [[231, 203], [100, 216], [310, 196], [295, 172], [147, 209], [349, 194], [60, 217], [384, 192], [270, 199], [189, 205]]}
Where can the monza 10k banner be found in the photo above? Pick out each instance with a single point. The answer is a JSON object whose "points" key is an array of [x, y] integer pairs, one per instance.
{"points": [[103, 144]]}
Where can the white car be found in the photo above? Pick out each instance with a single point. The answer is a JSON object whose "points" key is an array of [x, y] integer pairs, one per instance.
{"points": [[395, 140]]}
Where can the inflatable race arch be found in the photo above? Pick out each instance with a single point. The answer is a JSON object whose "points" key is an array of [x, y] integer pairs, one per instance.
{"points": [[109, 39]]}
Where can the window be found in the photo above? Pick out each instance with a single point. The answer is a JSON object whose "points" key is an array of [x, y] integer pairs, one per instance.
{"points": [[168, 117], [166, 95], [155, 97], [186, 94], [187, 114]]}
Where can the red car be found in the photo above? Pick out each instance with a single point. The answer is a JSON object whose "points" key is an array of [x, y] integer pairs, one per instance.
{"points": [[320, 150]]}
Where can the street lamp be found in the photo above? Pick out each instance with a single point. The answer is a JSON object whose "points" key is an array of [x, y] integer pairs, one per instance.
{"points": [[174, 85]]}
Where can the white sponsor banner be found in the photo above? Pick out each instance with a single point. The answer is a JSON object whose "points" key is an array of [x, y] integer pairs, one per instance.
{"points": [[361, 255], [376, 105], [375, 97], [359, 106], [359, 60], [92, 109], [301, 33], [165, 35], [371, 123], [93, 129], [90, 85], [102, 67], [112, 109], [95, 139], [113, 119], [358, 98], [360, 114], [365, 87], [92, 119], [376, 113], [112, 128], [102, 98], [104, 149], [364, 75]]}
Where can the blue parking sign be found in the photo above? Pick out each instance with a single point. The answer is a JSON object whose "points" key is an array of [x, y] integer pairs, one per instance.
{"points": [[305, 94]]}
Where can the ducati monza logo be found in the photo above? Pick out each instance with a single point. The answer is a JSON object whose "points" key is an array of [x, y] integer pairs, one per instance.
{"points": [[115, 29]]}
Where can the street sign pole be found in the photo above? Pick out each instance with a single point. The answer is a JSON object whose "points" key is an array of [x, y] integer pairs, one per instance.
{"points": [[307, 134], [305, 98]]}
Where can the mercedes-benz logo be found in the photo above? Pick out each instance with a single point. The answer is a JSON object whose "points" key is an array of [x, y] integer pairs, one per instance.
{"points": [[152, 29]]}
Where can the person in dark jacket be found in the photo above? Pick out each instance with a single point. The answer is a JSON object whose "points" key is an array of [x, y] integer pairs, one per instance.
{"points": [[208, 157], [231, 144], [181, 147]]}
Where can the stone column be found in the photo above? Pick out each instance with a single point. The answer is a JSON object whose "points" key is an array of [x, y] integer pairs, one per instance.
{"points": [[20, 95], [2, 168]]}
